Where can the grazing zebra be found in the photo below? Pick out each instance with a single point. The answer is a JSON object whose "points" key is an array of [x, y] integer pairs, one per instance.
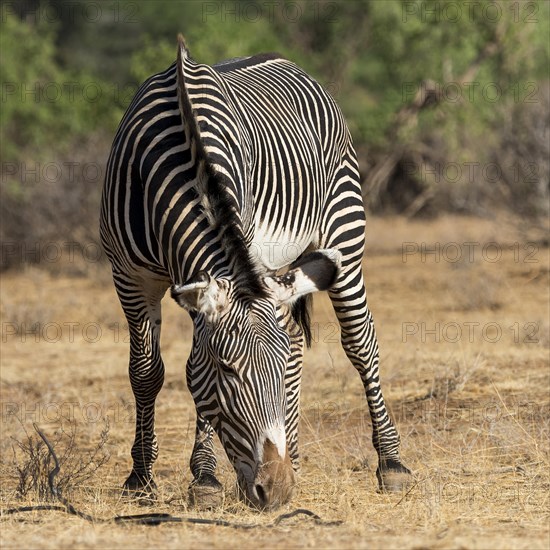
{"points": [[218, 178]]}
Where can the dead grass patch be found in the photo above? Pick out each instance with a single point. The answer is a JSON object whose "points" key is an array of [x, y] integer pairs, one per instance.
{"points": [[473, 414]]}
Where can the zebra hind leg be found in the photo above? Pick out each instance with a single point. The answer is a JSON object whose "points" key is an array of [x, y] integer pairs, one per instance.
{"points": [[360, 344], [205, 491]]}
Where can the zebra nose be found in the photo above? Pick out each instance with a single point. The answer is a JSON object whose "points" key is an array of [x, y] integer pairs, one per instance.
{"points": [[263, 500], [270, 492], [274, 481]]}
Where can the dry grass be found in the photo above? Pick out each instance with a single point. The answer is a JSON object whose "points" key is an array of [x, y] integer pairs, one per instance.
{"points": [[473, 410]]}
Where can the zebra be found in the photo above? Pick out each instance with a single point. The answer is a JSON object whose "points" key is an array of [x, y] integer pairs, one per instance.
{"points": [[236, 186]]}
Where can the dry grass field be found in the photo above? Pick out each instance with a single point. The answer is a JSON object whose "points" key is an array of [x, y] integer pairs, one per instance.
{"points": [[463, 327]]}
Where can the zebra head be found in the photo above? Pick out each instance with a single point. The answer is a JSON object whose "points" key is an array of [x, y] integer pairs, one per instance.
{"points": [[238, 368]]}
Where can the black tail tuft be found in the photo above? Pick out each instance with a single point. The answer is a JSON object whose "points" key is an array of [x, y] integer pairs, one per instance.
{"points": [[301, 313]]}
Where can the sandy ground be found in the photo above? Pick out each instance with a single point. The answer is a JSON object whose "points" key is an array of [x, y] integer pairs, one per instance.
{"points": [[461, 309]]}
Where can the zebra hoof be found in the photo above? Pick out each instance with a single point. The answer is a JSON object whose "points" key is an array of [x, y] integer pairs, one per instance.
{"points": [[393, 477], [141, 488], [206, 493]]}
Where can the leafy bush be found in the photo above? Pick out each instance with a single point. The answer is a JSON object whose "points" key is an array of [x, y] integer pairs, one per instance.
{"points": [[52, 120], [45, 107]]}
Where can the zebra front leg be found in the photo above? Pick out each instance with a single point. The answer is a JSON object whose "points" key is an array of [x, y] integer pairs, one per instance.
{"points": [[205, 491], [293, 382], [146, 372], [361, 346]]}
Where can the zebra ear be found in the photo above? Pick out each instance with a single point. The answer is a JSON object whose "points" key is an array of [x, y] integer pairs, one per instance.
{"points": [[202, 293], [311, 273]]}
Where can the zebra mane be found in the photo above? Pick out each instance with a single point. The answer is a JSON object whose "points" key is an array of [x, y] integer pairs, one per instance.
{"points": [[219, 206], [228, 225]]}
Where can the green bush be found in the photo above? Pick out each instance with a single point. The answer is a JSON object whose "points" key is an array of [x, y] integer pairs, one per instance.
{"points": [[65, 87], [45, 107]]}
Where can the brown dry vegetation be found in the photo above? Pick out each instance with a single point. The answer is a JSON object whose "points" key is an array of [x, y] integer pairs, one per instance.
{"points": [[472, 408]]}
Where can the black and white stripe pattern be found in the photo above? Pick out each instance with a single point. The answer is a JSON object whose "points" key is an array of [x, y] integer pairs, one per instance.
{"points": [[217, 178]]}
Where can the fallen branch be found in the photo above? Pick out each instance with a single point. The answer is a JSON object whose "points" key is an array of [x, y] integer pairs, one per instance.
{"points": [[146, 519]]}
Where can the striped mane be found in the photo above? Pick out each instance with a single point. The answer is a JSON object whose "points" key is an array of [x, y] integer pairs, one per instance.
{"points": [[227, 224], [219, 206]]}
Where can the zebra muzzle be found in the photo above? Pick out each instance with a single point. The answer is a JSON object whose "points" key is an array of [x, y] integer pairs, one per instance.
{"points": [[274, 480]]}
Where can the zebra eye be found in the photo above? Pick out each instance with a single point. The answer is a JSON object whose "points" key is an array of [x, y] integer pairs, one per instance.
{"points": [[226, 369]]}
